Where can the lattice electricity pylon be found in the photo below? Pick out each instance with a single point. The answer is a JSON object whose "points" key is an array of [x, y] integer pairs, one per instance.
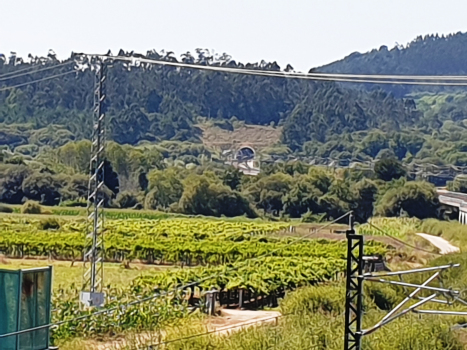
{"points": [[354, 292], [354, 289], [93, 259]]}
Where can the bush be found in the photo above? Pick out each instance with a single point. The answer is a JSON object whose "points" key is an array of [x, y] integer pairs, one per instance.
{"points": [[418, 199], [74, 203], [310, 217], [458, 185], [126, 200], [223, 124], [203, 197], [329, 299], [49, 224], [389, 168], [5, 209], [31, 207]]}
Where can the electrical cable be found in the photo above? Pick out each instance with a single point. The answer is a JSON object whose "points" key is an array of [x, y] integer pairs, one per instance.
{"points": [[18, 71], [36, 81], [394, 76], [400, 241], [2, 77], [310, 76]]}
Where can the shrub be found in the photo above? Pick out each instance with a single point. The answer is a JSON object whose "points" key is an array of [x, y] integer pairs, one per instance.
{"points": [[126, 200], [389, 168], [330, 299], [418, 199], [31, 207], [49, 224], [310, 217], [5, 209], [458, 185], [74, 203]]}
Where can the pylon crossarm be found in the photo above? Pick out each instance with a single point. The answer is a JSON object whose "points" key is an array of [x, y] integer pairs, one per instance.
{"points": [[406, 272], [411, 308], [437, 301], [409, 297], [436, 289], [442, 312], [462, 301]]}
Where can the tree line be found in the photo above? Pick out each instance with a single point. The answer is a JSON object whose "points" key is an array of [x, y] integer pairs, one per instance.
{"points": [[142, 178]]}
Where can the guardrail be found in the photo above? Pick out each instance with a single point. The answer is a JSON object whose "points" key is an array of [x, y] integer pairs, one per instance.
{"points": [[455, 202]]}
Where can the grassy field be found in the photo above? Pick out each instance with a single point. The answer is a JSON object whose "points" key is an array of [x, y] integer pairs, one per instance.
{"points": [[65, 275], [116, 213]]}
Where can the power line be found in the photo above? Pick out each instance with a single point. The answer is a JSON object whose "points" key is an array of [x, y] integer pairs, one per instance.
{"points": [[401, 241], [36, 81], [373, 79], [18, 71], [397, 76], [15, 75]]}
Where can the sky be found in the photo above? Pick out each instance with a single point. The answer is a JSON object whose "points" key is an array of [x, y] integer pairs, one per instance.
{"points": [[303, 33]]}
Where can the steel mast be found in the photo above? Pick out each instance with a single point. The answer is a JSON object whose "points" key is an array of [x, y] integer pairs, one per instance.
{"points": [[93, 258]]}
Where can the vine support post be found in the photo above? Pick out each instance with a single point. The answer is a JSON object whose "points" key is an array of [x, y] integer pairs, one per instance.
{"points": [[93, 258], [354, 289]]}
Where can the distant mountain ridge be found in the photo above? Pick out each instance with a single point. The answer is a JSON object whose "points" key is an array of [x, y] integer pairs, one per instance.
{"points": [[427, 55]]}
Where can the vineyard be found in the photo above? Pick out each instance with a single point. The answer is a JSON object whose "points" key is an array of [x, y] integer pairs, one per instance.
{"points": [[185, 241], [252, 264], [227, 256]]}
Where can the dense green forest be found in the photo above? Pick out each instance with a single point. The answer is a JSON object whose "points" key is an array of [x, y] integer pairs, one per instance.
{"points": [[155, 115], [147, 103], [157, 103]]}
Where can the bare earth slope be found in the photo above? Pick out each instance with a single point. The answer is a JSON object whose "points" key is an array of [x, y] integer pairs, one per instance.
{"points": [[257, 136]]}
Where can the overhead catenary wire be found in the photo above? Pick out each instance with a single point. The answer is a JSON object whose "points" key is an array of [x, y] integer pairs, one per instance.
{"points": [[36, 81], [34, 70]]}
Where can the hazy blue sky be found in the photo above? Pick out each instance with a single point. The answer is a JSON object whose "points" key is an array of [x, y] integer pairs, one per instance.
{"points": [[304, 33]]}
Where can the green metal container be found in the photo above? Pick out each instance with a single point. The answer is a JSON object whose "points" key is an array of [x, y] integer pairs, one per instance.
{"points": [[25, 300]]}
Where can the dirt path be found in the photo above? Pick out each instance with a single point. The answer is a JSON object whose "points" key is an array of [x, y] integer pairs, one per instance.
{"points": [[229, 321], [444, 246], [232, 320]]}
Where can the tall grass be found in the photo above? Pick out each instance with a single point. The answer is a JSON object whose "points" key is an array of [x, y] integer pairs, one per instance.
{"points": [[314, 319], [452, 231], [394, 227]]}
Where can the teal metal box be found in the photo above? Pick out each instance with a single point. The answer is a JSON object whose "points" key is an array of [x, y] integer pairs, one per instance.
{"points": [[25, 303]]}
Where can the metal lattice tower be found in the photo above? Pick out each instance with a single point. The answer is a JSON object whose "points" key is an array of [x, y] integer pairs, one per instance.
{"points": [[357, 274], [93, 259], [354, 289]]}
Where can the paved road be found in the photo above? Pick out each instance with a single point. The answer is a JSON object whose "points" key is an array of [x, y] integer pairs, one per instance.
{"points": [[444, 246]]}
